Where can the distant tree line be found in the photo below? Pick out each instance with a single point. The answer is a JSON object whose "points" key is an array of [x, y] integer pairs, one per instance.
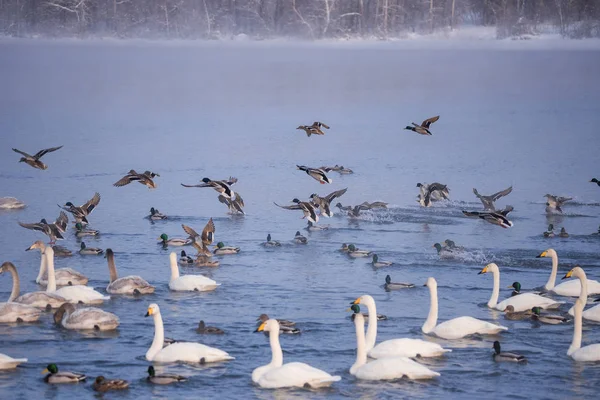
{"points": [[311, 19]]}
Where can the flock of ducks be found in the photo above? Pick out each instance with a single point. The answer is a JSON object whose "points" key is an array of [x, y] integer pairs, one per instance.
{"points": [[73, 303]]}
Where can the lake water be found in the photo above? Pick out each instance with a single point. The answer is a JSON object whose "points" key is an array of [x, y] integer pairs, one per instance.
{"points": [[510, 115]]}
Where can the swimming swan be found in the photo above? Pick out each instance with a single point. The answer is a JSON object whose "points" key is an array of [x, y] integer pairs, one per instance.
{"points": [[520, 302], [576, 352], [278, 375], [179, 351], [570, 288], [188, 283], [404, 347], [10, 311], [384, 368], [592, 313], [455, 328], [63, 276], [132, 284], [87, 318]]}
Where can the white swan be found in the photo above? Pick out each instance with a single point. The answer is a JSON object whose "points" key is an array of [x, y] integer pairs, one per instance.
{"points": [[132, 284], [404, 347], [73, 294], [85, 318], [188, 283], [278, 375], [592, 313], [7, 362], [179, 351], [383, 368], [63, 276], [576, 352], [455, 328], [570, 288], [10, 311], [521, 302]]}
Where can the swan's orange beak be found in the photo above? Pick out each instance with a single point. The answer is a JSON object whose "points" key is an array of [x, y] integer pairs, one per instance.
{"points": [[261, 327]]}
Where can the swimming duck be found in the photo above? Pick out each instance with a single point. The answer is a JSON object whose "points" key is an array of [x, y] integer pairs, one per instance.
{"points": [[285, 327], [596, 181], [344, 248], [164, 239], [156, 215], [81, 232], [495, 218], [204, 261], [563, 233], [375, 204], [378, 264], [80, 213], [307, 208], [355, 211], [488, 201], [554, 203], [423, 129], [550, 232], [324, 203], [516, 286], [315, 173], [282, 322], [132, 284], [87, 318], [270, 242], [312, 227], [552, 319], [344, 208], [54, 376], [53, 231], [222, 187], [505, 356], [185, 259], [132, 176], [202, 328], [236, 206], [222, 249], [101, 384], [61, 251], [444, 252], [163, 379], [300, 239], [451, 245], [11, 203], [90, 250], [34, 160], [389, 285], [356, 253], [509, 313]]}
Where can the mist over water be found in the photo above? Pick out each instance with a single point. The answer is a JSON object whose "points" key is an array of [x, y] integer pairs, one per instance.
{"points": [[508, 117]]}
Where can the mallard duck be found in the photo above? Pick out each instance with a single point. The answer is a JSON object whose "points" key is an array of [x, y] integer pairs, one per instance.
{"points": [[80, 213], [596, 181], [236, 206], [307, 208], [452, 246], [444, 252], [165, 241], [270, 242], [185, 259], [432, 192], [87, 318], [132, 176], [315, 173], [423, 129], [61, 377], [375, 204], [376, 263], [222, 249], [11, 203], [344, 171], [495, 218], [204, 261], [156, 215], [101, 384], [313, 227], [509, 313], [552, 319], [389, 285], [324, 203], [90, 250], [554, 203], [222, 187], [208, 233], [53, 231], [34, 160], [355, 211], [163, 379], [300, 239], [343, 208], [61, 251], [81, 232], [563, 233], [550, 232], [488, 201], [504, 356], [132, 284], [202, 328], [356, 253], [344, 248], [282, 322], [516, 286], [309, 130]]}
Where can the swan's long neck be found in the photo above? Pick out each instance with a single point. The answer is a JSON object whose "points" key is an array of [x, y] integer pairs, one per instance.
{"points": [[496, 291], [584, 286], [112, 268], [431, 321], [277, 353], [159, 337], [174, 267], [372, 327], [576, 343], [42, 268], [361, 351], [552, 279], [16, 285], [49, 258]]}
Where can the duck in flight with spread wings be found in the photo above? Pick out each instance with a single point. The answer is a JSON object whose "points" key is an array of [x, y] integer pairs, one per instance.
{"points": [[34, 160], [423, 129]]}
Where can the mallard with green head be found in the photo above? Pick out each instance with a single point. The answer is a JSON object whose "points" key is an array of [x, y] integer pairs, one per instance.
{"points": [[163, 379], [505, 356], [165, 241], [550, 232], [389, 285], [357, 253], [270, 242], [54, 376], [423, 129], [222, 249], [552, 319], [81, 232], [94, 251], [300, 239], [378, 263], [516, 286]]}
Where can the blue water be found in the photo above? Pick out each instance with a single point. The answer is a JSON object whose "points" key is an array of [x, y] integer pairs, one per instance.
{"points": [[526, 118]]}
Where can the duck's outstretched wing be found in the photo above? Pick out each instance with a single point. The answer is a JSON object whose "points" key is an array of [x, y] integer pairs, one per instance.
{"points": [[333, 195], [430, 121], [292, 207], [21, 152], [500, 194], [208, 232], [41, 153], [89, 206]]}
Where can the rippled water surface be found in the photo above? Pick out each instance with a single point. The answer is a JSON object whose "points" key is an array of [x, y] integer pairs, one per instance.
{"points": [[508, 117]]}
